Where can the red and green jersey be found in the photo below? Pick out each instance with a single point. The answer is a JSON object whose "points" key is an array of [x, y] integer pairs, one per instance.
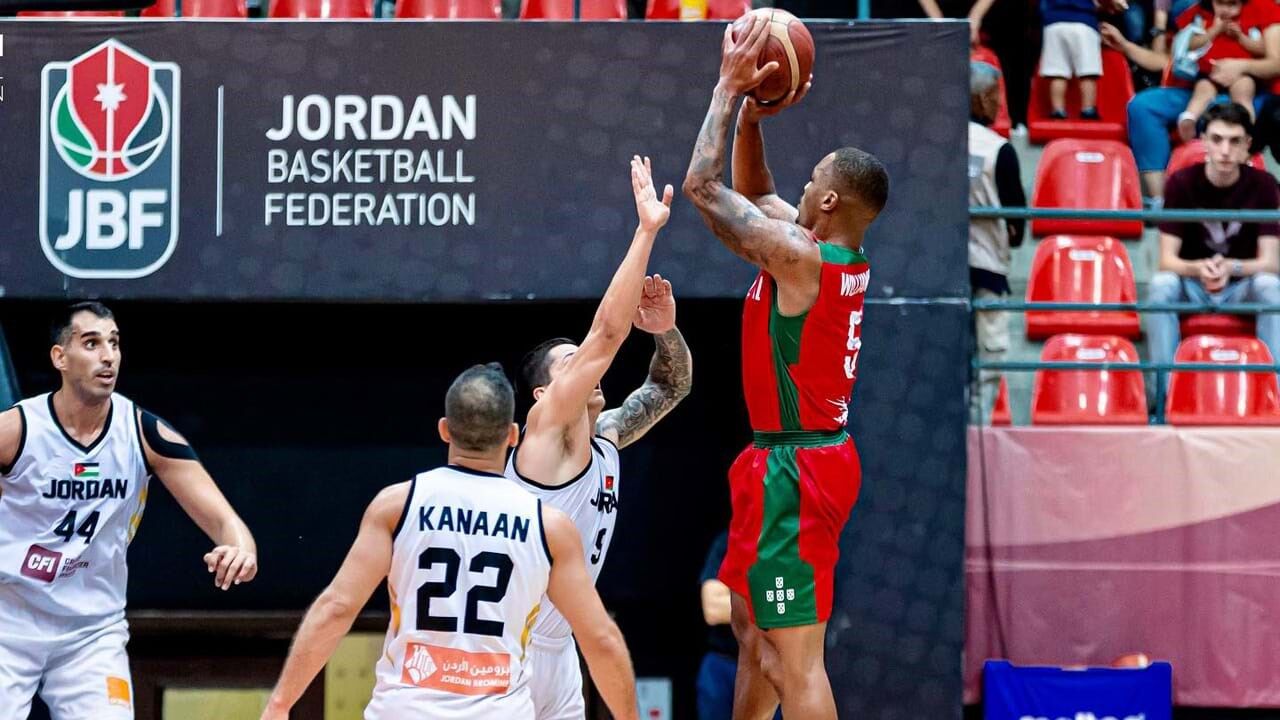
{"points": [[798, 372]]}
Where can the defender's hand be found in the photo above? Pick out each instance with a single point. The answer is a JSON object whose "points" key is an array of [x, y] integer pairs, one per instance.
{"points": [[657, 311], [232, 565], [653, 213]]}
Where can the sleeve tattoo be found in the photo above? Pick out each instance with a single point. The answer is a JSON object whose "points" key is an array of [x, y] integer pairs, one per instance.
{"points": [[669, 381]]}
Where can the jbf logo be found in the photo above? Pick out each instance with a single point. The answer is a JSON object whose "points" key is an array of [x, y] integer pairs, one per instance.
{"points": [[109, 163]]}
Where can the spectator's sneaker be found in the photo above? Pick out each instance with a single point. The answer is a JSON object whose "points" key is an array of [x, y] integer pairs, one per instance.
{"points": [[1089, 114], [1058, 115]]}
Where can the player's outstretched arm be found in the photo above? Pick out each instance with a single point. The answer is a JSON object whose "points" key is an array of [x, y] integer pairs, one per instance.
{"points": [[234, 559], [564, 400], [751, 175], [11, 431], [670, 370], [779, 247], [331, 615], [575, 596]]}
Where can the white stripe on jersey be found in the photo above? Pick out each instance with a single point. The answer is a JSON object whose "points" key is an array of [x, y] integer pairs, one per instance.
{"points": [[68, 512], [469, 568], [591, 502]]}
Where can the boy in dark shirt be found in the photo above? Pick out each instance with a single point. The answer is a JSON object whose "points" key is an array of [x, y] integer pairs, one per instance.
{"points": [[1218, 262]]}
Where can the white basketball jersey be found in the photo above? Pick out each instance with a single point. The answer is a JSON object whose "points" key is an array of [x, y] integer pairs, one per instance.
{"points": [[470, 565], [68, 512], [591, 501]]}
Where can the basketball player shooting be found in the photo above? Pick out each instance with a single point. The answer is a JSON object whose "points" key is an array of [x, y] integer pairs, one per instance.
{"points": [[568, 456], [74, 471], [792, 489], [467, 557]]}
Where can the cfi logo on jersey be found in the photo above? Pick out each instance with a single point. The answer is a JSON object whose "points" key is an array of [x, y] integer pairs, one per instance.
{"points": [[606, 500], [109, 163]]}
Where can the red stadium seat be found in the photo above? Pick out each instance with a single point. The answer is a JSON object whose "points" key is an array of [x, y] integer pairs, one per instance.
{"points": [[1088, 397], [198, 8], [1002, 124], [1223, 398], [322, 9], [1193, 153], [449, 9], [1115, 88], [1214, 324], [1000, 414], [563, 9], [1095, 174], [1081, 269], [72, 13], [696, 9]]}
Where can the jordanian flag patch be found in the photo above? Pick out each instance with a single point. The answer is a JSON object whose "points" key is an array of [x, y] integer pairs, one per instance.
{"points": [[84, 471]]}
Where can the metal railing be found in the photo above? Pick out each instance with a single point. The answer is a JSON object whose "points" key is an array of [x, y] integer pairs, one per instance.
{"points": [[1145, 216], [1149, 215]]}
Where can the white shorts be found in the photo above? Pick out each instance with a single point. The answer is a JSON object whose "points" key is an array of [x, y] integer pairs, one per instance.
{"points": [[81, 673], [1071, 50], [556, 682]]}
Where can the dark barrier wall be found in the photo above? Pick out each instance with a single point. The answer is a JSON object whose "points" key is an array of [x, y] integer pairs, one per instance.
{"points": [[303, 410], [506, 161]]}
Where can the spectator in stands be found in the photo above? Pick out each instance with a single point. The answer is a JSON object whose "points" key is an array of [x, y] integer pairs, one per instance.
{"points": [[1154, 111], [995, 180], [1218, 262], [1072, 48], [1224, 35]]}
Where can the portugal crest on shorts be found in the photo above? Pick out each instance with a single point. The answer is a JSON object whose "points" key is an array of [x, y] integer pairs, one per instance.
{"points": [[109, 163]]}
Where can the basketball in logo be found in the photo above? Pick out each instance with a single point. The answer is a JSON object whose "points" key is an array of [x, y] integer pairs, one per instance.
{"points": [[109, 162], [110, 120]]}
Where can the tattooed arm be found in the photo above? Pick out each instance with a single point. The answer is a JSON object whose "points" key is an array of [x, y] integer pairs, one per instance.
{"points": [[669, 381], [779, 247]]}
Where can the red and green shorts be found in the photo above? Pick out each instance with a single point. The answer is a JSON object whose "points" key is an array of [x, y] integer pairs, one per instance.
{"points": [[792, 493]]}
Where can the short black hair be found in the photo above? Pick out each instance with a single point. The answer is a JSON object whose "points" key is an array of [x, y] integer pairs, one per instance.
{"points": [[535, 371], [60, 333], [479, 408], [861, 173], [1228, 112]]}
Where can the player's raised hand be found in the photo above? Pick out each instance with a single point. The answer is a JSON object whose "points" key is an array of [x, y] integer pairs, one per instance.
{"points": [[738, 71], [231, 564], [753, 110], [653, 212], [656, 313]]}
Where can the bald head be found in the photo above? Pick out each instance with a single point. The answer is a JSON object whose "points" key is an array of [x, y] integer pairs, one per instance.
{"points": [[479, 408]]}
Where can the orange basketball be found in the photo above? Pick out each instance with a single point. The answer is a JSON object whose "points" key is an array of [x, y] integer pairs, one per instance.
{"points": [[789, 44]]}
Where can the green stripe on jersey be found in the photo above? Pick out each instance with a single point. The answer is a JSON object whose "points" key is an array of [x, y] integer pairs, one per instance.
{"points": [[785, 334], [781, 583]]}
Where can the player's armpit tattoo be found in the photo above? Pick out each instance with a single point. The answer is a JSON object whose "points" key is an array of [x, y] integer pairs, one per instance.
{"points": [[670, 379]]}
